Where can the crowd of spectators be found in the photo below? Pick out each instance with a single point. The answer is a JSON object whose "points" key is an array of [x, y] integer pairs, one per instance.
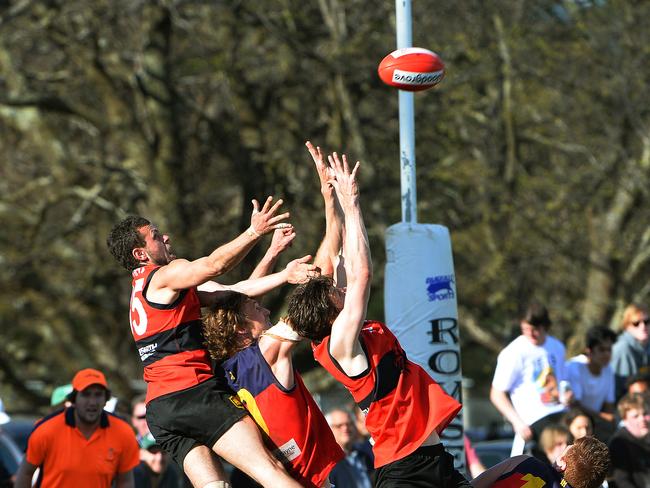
{"points": [[551, 401]]}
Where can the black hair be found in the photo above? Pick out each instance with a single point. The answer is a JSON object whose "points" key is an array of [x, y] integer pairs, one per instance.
{"points": [[141, 398], [572, 414], [639, 377], [124, 237], [311, 310], [537, 315], [599, 334]]}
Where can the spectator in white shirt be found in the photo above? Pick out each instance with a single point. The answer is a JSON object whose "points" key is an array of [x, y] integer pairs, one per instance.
{"points": [[526, 379], [592, 378]]}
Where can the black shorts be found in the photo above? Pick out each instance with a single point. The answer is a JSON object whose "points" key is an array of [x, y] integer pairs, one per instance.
{"points": [[198, 415], [428, 466]]}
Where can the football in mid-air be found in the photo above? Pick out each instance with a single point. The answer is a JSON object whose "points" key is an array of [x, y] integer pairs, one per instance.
{"points": [[411, 69]]}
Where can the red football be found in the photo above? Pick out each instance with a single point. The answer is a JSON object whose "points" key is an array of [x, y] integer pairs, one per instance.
{"points": [[412, 69]]}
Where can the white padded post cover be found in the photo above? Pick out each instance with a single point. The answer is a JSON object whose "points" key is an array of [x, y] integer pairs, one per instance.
{"points": [[420, 308]]}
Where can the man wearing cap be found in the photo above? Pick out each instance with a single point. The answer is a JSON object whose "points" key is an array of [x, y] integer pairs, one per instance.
{"points": [[59, 397], [82, 445]]}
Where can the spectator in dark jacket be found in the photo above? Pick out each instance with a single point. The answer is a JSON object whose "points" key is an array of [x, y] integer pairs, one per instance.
{"points": [[355, 470], [630, 446]]}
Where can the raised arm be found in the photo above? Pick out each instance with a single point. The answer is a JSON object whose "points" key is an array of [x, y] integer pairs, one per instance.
{"points": [[344, 343], [181, 274], [282, 239], [330, 248]]}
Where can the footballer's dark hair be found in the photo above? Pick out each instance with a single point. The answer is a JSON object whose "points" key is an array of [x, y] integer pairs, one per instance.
{"points": [[311, 310], [598, 335], [124, 237]]}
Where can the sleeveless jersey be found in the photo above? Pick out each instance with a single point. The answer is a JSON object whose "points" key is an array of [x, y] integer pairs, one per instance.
{"points": [[298, 432], [169, 338], [531, 473], [403, 404]]}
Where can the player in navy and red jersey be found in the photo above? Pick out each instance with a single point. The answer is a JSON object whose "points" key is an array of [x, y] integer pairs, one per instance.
{"points": [[190, 411], [582, 465], [258, 366], [405, 409]]}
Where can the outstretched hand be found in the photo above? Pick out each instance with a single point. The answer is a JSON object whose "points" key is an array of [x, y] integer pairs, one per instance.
{"points": [[300, 271], [343, 180], [264, 221], [322, 168]]}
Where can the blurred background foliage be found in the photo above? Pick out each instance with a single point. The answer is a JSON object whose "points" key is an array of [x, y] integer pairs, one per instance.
{"points": [[534, 151]]}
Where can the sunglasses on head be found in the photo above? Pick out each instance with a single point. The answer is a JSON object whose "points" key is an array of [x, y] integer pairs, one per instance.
{"points": [[645, 321]]}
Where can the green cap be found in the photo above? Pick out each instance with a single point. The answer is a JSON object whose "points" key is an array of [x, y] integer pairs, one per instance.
{"points": [[60, 394], [147, 441]]}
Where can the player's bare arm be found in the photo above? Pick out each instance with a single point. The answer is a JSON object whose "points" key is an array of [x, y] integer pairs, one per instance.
{"points": [[297, 271], [329, 250], [503, 404], [344, 338], [180, 274], [281, 241]]}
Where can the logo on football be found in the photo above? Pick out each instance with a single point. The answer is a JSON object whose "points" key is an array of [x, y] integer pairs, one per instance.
{"points": [[411, 69]]}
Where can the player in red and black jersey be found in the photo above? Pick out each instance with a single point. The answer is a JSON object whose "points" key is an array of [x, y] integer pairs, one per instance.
{"points": [[190, 411], [582, 465], [405, 409]]}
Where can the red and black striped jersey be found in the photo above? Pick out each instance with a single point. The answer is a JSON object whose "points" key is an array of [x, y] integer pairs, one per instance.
{"points": [[403, 404], [169, 338]]}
